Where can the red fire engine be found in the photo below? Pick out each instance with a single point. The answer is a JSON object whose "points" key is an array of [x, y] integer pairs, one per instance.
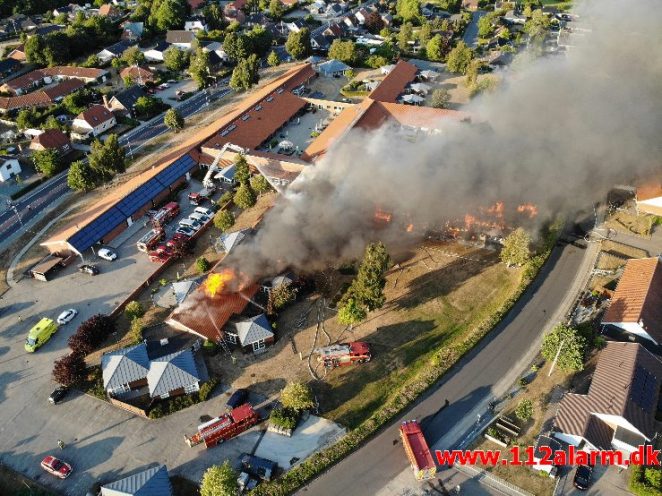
{"points": [[224, 427], [417, 450], [150, 240], [338, 355], [166, 214]]}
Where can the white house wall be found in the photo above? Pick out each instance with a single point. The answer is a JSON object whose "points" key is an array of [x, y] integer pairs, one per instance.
{"points": [[617, 420], [632, 328]]}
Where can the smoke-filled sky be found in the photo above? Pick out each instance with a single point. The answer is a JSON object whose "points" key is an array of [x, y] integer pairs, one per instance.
{"points": [[561, 130]]}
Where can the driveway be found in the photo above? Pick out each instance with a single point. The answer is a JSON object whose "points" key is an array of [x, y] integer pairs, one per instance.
{"points": [[606, 480], [470, 37]]}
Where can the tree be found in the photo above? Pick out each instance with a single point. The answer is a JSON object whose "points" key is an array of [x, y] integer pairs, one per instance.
{"points": [[69, 369], [82, 341], [297, 396], [224, 220], [376, 61], [214, 16], [524, 410], [298, 44], [27, 118], [515, 249], [435, 48], [133, 56], [351, 312], [472, 73], [571, 344], [175, 59], [51, 122], [537, 26], [241, 171], [173, 120], [168, 14], [244, 197], [235, 45], [260, 184], [425, 33], [199, 68], [368, 286], [405, 35], [81, 177], [219, 480], [134, 310], [281, 295], [92, 61], [259, 41], [440, 98], [99, 327], [408, 9], [146, 106], [245, 74], [273, 60], [136, 330], [374, 22], [107, 159], [202, 264], [47, 162], [459, 58], [485, 27], [34, 50], [275, 9], [345, 51]]}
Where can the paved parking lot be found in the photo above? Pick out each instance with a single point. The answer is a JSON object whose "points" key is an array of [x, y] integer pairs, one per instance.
{"points": [[605, 480]]}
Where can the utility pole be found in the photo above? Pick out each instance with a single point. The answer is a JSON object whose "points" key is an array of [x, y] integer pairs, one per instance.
{"points": [[551, 369]]}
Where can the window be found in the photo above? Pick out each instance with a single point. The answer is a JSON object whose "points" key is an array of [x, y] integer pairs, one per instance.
{"points": [[165, 396], [231, 337], [192, 388], [258, 345]]}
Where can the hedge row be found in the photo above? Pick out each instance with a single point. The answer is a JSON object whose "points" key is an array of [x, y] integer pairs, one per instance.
{"points": [[440, 362]]}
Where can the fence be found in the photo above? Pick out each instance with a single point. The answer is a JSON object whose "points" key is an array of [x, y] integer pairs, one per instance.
{"points": [[484, 477], [129, 408]]}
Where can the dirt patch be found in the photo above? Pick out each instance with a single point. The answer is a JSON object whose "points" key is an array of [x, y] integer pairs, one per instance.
{"points": [[14, 483], [629, 222], [433, 297]]}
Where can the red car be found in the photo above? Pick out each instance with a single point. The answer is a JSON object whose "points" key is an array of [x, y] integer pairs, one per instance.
{"points": [[56, 467]]}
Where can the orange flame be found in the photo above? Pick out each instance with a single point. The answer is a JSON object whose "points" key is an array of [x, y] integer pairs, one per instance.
{"points": [[382, 216], [529, 209], [217, 281], [410, 228]]}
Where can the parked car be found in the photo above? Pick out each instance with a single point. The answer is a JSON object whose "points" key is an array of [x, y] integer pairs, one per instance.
{"points": [[93, 270], [186, 231], [582, 480], [202, 218], [107, 254], [67, 316], [57, 395], [56, 467], [204, 211], [190, 223], [238, 398]]}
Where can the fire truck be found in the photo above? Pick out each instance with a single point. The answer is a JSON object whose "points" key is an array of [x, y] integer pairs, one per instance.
{"points": [[339, 355], [417, 450], [225, 427], [161, 255], [165, 215], [150, 240]]}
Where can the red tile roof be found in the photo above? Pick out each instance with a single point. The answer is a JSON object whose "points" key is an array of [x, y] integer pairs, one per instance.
{"points": [[137, 73], [74, 72], [51, 139], [25, 81], [649, 191], [41, 98], [95, 115], [18, 53], [395, 82], [638, 297], [107, 9], [195, 4], [64, 88]]}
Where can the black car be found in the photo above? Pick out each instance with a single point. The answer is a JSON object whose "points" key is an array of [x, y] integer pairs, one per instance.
{"points": [[582, 479], [57, 395], [93, 270], [238, 398]]}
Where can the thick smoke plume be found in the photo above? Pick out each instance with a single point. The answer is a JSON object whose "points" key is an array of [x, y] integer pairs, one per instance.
{"points": [[558, 133]]}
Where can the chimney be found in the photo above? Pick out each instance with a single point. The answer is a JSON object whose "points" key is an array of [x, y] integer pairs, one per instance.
{"points": [[105, 101]]}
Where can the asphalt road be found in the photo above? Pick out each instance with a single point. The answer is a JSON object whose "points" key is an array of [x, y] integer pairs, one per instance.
{"points": [[467, 386], [470, 37], [35, 202]]}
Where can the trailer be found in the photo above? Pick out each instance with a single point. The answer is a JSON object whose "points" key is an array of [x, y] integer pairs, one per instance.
{"points": [[417, 450], [339, 355], [225, 427]]}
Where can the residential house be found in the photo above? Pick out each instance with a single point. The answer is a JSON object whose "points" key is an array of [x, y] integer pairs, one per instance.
{"points": [[215, 62], [110, 11], [94, 121], [180, 39], [334, 10], [362, 15], [619, 412], [132, 31], [288, 4], [195, 24], [18, 54], [318, 7], [23, 84], [125, 369], [649, 199], [9, 67], [173, 375], [52, 139], [296, 25], [512, 17], [138, 75], [333, 30], [233, 12], [20, 23], [114, 51], [332, 68], [227, 241], [151, 482], [252, 335], [319, 43], [45, 29], [196, 4], [124, 101], [351, 22], [470, 4], [155, 54], [370, 40], [215, 47], [41, 98], [636, 305], [543, 444], [387, 18], [9, 167], [258, 19], [64, 10]]}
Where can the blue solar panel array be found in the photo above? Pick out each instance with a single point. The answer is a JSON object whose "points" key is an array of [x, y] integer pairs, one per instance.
{"points": [[109, 220], [643, 389]]}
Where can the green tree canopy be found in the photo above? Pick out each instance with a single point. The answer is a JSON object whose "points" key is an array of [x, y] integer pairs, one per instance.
{"points": [[107, 159], [47, 162], [485, 26], [459, 58], [202, 264], [524, 410], [276, 9], [146, 106], [244, 197], [572, 348], [408, 9], [219, 480], [134, 310], [440, 98], [259, 40], [297, 396], [173, 119], [242, 172], [345, 51], [199, 68], [133, 56], [260, 184], [298, 44], [436, 47], [224, 220], [515, 249], [404, 36], [175, 59], [168, 14], [368, 286], [351, 312], [214, 16], [273, 60], [245, 74], [81, 177]]}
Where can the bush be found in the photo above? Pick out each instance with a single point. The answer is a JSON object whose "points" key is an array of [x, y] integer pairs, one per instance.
{"points": [[136, 330], [224, 220], [202, 264], [524, 410], [297, 396], [69, 369], [522, 382], [285, 418], [206, 389], [134, 310], [225, 198], [645, 481], [209, 347]]}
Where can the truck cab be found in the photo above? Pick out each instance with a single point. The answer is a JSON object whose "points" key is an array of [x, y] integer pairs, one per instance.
{"points": [[39, 334]]}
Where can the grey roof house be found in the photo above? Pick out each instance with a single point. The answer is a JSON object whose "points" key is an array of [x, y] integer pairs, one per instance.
{"points": [[125, 369], [114, 51], [124, 101], [252, 334], [173, 374], [332, 67], [151, 482]]}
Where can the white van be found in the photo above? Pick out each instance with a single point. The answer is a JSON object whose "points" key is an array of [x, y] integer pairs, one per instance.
{"points": [[190, 223], [204, 211]]}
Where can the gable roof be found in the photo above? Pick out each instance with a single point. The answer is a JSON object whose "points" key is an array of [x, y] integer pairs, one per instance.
{"points": [[172, 372], [395, 82], [151, 482], [253, 330], [626, 383], [118, 48], [107, 9], [51, 139], [230, 240], [41, 98], [638, 296], [128, 97], [136, 73], [95, 115], [123, 366], [333, 65], [180, 36]]}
